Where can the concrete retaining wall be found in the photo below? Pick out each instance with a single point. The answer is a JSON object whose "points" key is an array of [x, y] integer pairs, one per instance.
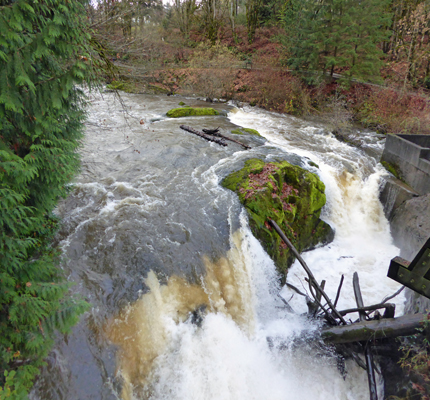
{"points": [[411, 155]]}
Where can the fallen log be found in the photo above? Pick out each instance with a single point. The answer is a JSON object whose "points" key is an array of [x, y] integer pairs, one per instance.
{"points": [[369, 308], [211, 131], [215, 132], [405, 325], [210, 138], [312, 281]]}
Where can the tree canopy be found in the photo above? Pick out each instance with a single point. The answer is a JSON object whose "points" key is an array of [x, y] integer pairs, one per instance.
{"points": [[342, 34]]}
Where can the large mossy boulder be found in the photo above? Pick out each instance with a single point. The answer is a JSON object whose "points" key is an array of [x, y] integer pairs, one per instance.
{"points": [[288, 194], [191, 111]]}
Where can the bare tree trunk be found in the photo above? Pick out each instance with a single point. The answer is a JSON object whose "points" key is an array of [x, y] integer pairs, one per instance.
{"points": [[410, 75]]}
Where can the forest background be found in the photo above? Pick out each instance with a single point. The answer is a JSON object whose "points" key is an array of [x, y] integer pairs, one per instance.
{"points": [[348, 62]]}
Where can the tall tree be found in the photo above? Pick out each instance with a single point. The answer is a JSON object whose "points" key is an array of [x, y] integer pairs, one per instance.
{"points": [[342, 34], [252, 17], [184, 14], [44, 52]]}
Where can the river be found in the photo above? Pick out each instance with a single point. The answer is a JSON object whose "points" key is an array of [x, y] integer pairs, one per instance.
{"points": [[183, 296]]}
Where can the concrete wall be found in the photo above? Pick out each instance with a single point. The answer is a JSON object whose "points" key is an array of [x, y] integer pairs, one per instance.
{"points": [[411, 154], [410, 227]]}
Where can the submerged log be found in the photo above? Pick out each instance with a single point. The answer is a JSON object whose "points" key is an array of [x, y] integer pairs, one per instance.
{"points": [[210, 138], [211, 131], [405, 325], [215, 132]]}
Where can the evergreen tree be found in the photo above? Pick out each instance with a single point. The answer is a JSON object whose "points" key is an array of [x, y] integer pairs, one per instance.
{"points": [[342, 34], [44, 53], [252, 17]]}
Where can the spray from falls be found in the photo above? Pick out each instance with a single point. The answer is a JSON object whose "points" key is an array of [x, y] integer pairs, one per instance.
{"points": [[143, 330]]}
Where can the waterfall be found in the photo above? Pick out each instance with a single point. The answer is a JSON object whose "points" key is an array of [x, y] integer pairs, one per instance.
{"points": [[185, 299]]}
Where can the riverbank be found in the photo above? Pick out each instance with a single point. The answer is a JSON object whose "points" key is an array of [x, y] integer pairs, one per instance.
{"points": [[256, 74]]}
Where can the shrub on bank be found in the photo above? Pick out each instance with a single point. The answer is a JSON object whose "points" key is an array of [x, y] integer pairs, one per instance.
{"points": [[272, 89], [395, 111]]}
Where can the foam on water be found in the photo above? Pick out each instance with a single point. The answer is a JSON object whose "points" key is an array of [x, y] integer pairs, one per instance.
{"points": [[163, 355], [227, 336], [244, 348], [363, 242]]}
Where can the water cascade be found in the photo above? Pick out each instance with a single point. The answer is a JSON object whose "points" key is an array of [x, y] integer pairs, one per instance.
{"points": [[184, 298]]}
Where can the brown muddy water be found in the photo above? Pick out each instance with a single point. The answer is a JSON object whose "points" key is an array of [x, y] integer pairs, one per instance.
{"points": [[183, 296]]}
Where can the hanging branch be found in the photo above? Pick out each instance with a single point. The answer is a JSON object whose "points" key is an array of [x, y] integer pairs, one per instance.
{"points": [[308, 271], [338, 290], [287, 305], [312, 305], [393, 295], [289, 285]]}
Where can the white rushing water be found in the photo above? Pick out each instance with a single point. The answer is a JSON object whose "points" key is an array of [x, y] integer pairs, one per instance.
{"points": [[221, 360], [257, 359], [150, 236], [363, 241]]}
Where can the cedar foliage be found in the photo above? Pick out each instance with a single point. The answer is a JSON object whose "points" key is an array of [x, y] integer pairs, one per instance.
{"points": [[44, 53]]}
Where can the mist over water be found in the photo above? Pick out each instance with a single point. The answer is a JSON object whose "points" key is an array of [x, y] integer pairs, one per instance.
{"points": [[185, 300]]}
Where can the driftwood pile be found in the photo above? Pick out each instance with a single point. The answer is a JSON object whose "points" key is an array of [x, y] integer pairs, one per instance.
{"points": [[213, 135], [371, 325]]}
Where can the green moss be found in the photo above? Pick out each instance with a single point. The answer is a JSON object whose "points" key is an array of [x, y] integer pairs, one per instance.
{"points": [[251, 131], [121, 85], [157, 89], [394, 169], [181, 103], [242, 131], [191, 111], [288, 194]]}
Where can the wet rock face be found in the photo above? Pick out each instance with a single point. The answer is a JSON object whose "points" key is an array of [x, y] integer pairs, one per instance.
{"points": [[288, 194]]}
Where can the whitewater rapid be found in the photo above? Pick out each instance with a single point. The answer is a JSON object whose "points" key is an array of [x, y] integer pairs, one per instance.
{"points": [[185, 301], [256, 357]]}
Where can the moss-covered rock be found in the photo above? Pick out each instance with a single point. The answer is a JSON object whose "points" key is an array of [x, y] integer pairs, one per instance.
{"points": [[191, 111], [242, 131], [121, 85], [288, 194]]}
